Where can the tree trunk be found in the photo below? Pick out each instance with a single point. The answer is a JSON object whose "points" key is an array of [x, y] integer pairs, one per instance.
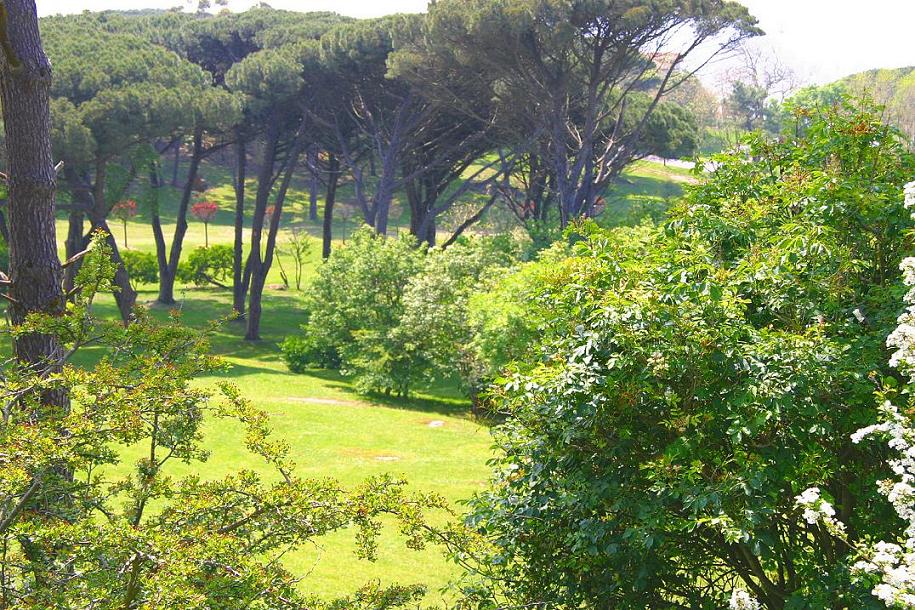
{"points": [[260, 267], [168, 266], [238, 285], [76, 242], [125, 296], [329, 201], [314, 184], [253, 262], [175, 163], [35, 270]]}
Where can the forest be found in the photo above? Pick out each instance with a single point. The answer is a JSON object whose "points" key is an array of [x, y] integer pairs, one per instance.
{"points": [[501, 305]]}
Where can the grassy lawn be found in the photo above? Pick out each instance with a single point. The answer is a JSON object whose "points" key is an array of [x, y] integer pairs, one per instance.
{"points": [[334, 432], [646, 189]]}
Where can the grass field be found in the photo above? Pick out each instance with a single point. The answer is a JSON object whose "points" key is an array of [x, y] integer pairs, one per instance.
{"points": [[334, 432]]}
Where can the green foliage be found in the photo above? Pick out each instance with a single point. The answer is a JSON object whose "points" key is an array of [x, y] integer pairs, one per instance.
{"points": [[432, 335], [689, 381], [670, 132], [140, 537], [504, 319], [393, 316], [357, 299], [141, 266], [208, 265], [299, 354], [359, 289]]}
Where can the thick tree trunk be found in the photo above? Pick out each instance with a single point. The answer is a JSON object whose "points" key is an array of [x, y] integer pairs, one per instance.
{"points": [[238, 284], [422, 222], [168, 266], [329, 201], [35, 270]]}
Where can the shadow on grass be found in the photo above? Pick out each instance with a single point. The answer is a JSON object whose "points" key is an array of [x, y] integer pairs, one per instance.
{"points": [[441, 399]]}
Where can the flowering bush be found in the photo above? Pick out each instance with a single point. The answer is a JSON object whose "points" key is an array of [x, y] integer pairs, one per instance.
{"points": [[889, 566], [205, 211], [124, 210]]}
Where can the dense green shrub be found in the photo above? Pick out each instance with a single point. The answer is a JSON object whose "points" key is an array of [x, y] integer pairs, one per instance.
{"points": [[357, 295], [432, 336], [300, 353], [142, 267], [207, 265], [688, 382], [392, 315]]}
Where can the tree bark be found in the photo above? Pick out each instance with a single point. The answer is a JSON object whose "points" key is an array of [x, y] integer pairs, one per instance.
{"points": [[35, 270], [314, 185], [175, 163], [259, 266], [238, 284], [329, 201], [125, 296], [168, 266]]}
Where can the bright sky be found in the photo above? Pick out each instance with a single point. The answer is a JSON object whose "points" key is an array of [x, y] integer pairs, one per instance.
{"points": [[821, 40]]}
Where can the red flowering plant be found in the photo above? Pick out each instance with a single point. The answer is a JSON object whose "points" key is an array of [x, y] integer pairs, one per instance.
{"points": [[124, 211], [205, 212]]}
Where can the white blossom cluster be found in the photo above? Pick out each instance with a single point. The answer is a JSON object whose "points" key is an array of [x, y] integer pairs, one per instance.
{"points": [[902, 339], [817, 510], [910, 194], [741, 600], [894, 564]]}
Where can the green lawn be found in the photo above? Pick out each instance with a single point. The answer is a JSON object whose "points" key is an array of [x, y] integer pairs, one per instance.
{"points": [[645, 189], [334, 432]]}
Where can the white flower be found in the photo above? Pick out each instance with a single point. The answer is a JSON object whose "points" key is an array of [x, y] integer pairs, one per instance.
{"points": [[809, 496], [741, 600], [892, 563], [909, 191]]}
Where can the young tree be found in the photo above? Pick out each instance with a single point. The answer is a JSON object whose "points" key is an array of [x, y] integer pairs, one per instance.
{"points": [[205, 212], [124, 210]]}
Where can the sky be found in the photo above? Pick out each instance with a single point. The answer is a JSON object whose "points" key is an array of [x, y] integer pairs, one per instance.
{"points": [[820, 40]]}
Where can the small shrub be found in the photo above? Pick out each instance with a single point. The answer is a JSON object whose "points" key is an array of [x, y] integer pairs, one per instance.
{"points": [[208, 265], [299, 353], [142, 267]]}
